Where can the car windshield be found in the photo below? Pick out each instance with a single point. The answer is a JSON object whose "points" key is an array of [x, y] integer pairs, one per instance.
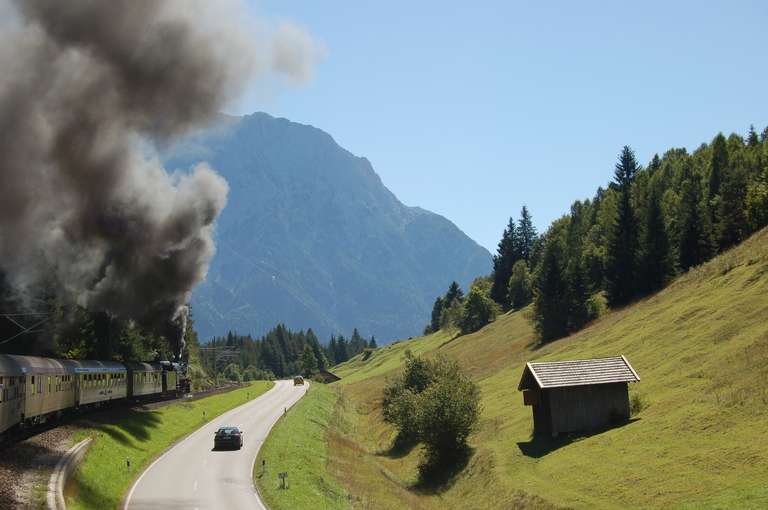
{"points": [[228, 430]]}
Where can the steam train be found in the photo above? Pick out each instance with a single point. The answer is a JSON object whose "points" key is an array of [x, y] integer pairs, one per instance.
{"points": [[34, 390]]}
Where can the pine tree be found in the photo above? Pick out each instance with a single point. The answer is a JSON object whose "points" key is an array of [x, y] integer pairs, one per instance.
{"points": [[550, 303], [332, 350], [507, 253], [694, 247], [655, 257], [654, 165], [372, 343], [454, 293], [526, 235], [752, 139], [342, 349], [437, 311], [718, 166], [576, 295], [732, 221], [309, 364], [621, 263]]}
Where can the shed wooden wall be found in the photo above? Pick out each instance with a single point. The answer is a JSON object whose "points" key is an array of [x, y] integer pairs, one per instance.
{"points": [[582, 408]]}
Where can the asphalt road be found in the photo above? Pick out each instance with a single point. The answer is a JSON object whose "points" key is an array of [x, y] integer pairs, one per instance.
{"points": [[194, 477]]}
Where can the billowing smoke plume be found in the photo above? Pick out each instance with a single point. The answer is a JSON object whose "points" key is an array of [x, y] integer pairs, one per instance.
{"points": [[87, 89]]}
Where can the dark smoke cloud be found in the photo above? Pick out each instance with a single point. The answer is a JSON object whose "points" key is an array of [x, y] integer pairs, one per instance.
{"points": [[87, 88]]}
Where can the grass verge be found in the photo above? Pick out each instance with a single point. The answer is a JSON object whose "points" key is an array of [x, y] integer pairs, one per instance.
{"points": [[139, 436], [298, 445]]}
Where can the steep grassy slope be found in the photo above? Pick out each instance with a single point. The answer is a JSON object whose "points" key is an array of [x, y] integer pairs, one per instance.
{"points": [[701, 349]]}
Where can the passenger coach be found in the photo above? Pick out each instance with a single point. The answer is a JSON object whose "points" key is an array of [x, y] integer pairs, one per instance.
{"points": [[34, 389]]}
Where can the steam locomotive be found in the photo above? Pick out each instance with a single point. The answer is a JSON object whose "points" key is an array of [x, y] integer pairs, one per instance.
{"points": [[34, 390]]}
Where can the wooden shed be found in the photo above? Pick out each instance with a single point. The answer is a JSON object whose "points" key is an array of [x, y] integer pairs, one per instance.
{"points": [[327, 376], [577, 395]]}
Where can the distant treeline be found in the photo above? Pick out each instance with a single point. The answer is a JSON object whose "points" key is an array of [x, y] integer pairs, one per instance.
{"points": [[279, 353], [650, 224]]}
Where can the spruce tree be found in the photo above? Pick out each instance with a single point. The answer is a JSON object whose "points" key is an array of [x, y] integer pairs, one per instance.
{"points": [[718, 166], [655, 258], [309, 363], [693, 243], [621, 256], [372, 344], [507, 253], [576, 295], [332, 351], [752, 139], [550, 303], [654, 165], [454, 293], [732, 221], [437, 311], [526, 235]]}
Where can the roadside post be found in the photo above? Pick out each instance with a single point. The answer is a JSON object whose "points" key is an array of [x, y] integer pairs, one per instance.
{"points": [[282, 477]]}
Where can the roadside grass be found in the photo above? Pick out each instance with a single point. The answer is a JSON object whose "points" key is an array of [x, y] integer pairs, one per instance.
{"points": [[140, 436], [701, 349], [297, 445]]}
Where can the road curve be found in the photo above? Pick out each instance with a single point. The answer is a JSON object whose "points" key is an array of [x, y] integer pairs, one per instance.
{"points": [[192, 476]]}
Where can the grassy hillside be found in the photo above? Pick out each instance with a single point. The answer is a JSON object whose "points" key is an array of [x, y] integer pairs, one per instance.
{"points": [[701, 349]]}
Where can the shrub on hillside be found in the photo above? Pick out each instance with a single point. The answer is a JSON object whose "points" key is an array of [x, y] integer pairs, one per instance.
{"points": [[434, 403], [597, 306], [636, 404]]}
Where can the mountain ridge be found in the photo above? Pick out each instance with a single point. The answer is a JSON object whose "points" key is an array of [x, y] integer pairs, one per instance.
{"points": [[312, 237]]}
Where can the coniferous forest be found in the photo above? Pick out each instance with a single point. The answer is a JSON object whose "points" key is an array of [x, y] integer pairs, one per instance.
{"points": [[649, 224], [279, 353]]}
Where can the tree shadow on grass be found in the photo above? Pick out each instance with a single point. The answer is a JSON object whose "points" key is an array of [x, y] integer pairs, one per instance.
{"points": [[439, 475], [125, 425], [540, 445], [402, 445]]}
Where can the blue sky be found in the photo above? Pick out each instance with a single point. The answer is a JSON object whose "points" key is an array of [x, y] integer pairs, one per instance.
{"points": [[472, 109]]}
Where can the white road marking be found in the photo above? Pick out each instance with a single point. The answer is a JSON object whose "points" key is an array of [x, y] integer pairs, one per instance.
{"points": [[259, 417], [194, 487]]}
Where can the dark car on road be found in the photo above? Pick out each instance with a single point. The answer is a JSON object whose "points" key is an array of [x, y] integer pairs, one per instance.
{"points": [[228, 437]]}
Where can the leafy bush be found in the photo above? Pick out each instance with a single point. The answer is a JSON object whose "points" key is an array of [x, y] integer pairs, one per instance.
{"points": [[597, 306], [520, 287], [478, 310], [434, 403], [257, 374], [232, 373]]}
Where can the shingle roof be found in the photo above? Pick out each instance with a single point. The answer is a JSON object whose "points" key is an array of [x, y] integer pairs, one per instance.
{"points": [[556, 374]]}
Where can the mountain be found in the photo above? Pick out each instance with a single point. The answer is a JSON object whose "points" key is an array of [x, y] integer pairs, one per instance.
{"points": [[696, 440], [311, 237]]}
